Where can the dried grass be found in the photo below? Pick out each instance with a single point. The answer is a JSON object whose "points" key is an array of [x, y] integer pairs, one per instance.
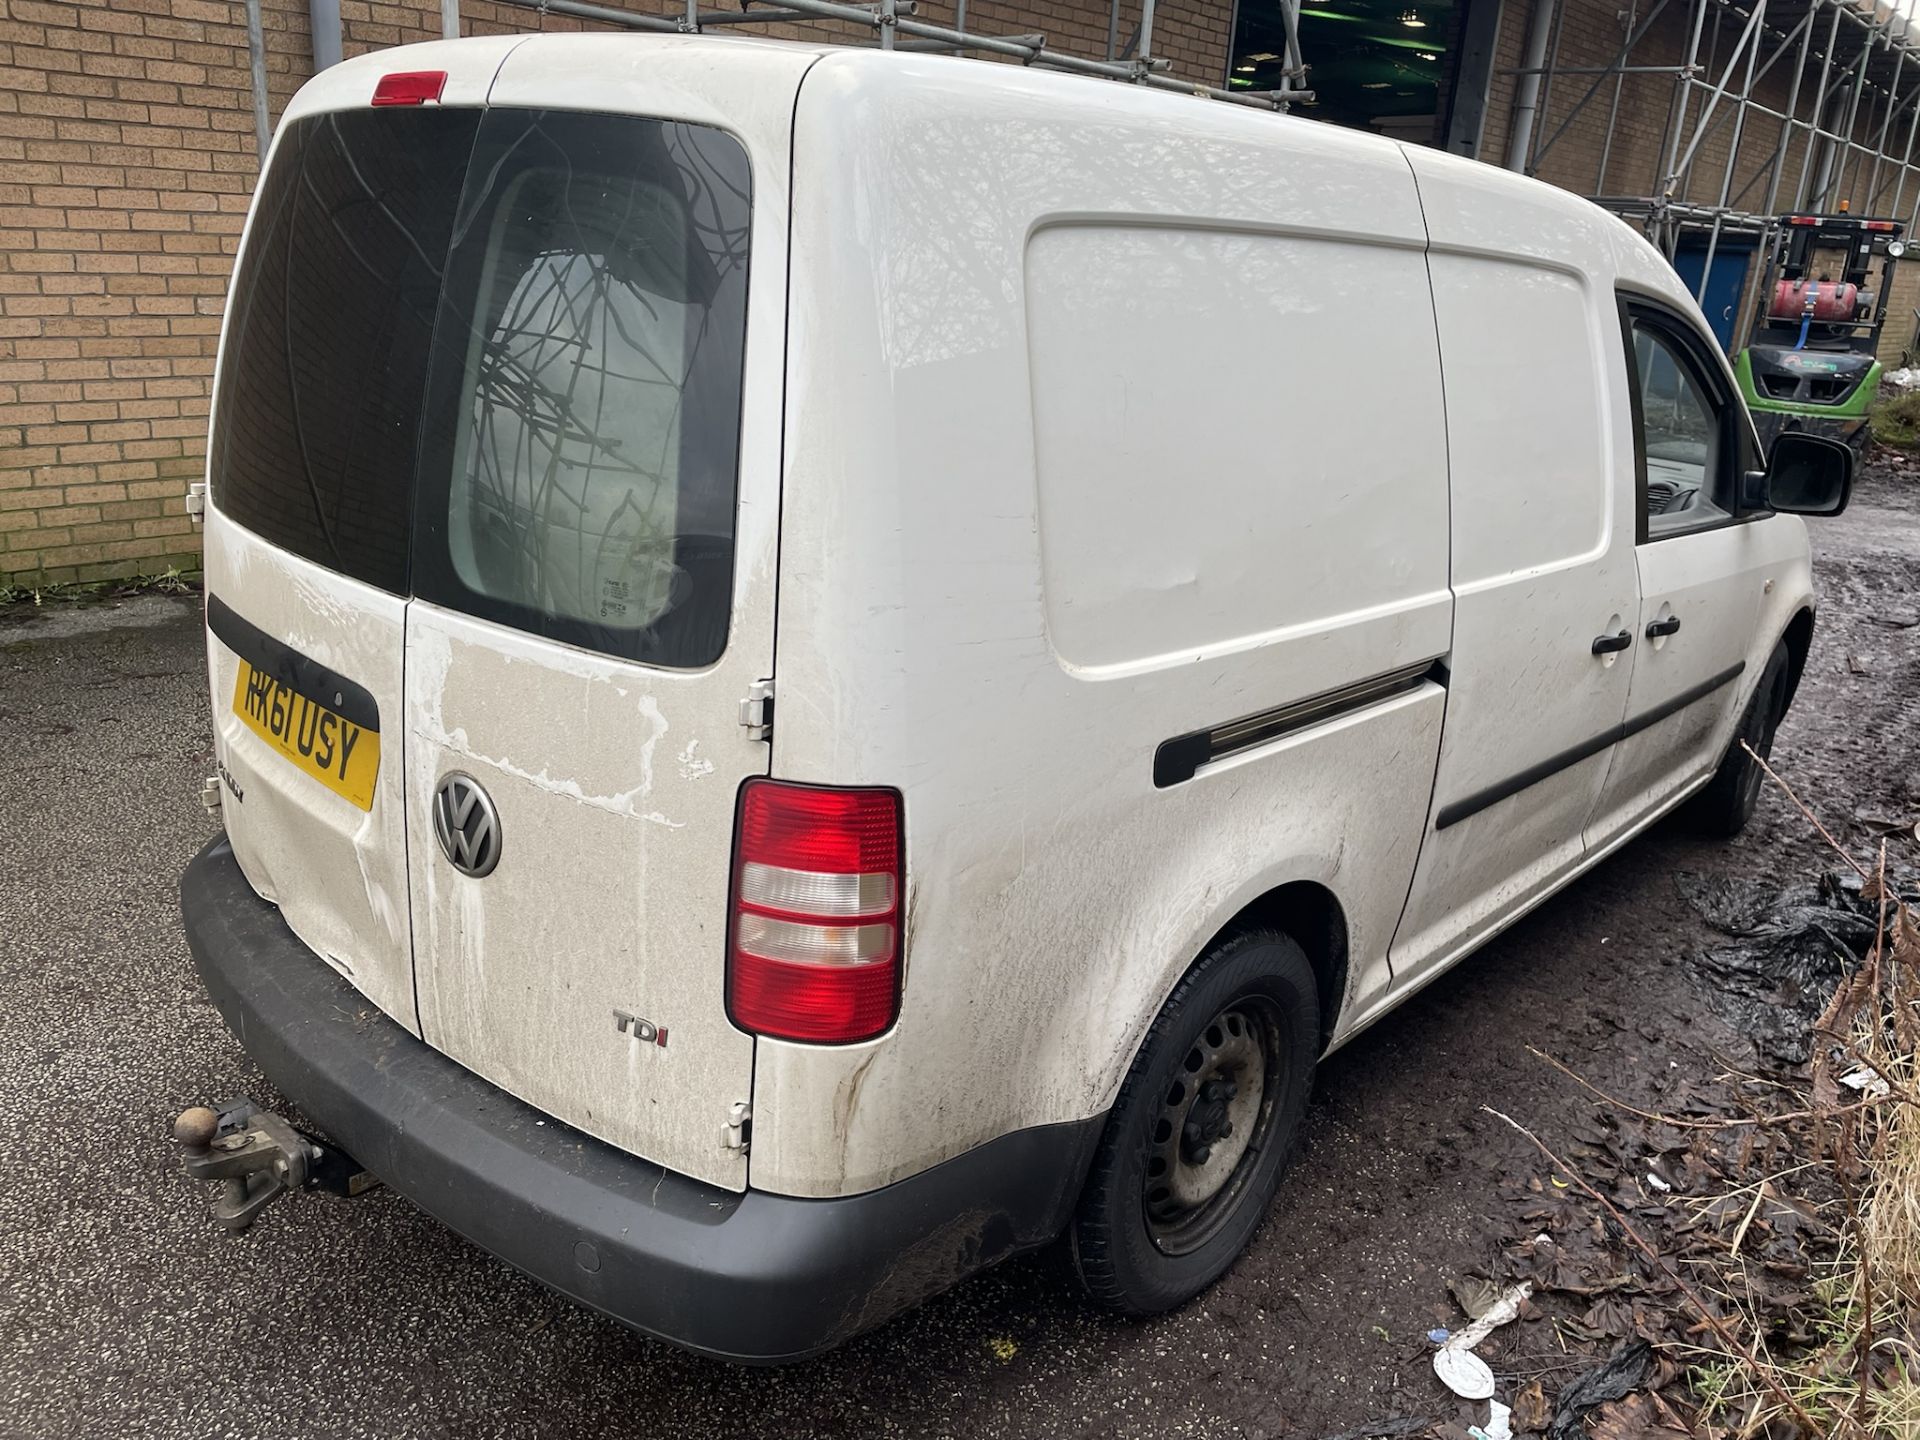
{"points": [[1890, 1219], [1894, 1410], [1862, 1378]]}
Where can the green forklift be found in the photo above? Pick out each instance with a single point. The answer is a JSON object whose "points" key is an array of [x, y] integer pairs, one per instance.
{"points": [[1809, 363]]}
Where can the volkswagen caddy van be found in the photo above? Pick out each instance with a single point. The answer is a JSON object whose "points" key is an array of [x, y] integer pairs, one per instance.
{"points": [[830, 665]]}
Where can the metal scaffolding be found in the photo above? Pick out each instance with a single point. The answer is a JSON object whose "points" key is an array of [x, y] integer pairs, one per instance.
{"points": [[1850, 72], [892, 24], [1770, 105]]}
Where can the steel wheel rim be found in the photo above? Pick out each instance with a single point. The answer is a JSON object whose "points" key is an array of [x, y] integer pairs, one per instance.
{"points": [[1213, 1126]]}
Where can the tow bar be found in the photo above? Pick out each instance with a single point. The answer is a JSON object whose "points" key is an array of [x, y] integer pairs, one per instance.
{"points": [[255, 1157]]}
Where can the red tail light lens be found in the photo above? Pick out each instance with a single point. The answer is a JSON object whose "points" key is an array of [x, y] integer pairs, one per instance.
{"points": [[814, 949], [409, 87]]}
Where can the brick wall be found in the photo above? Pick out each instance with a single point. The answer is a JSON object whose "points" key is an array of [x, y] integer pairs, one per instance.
{"points": [[127, 159], [126, 164], [124, 168]]}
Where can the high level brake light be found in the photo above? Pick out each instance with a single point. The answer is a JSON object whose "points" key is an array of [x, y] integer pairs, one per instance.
{"points": [[814, 949], [409, 87]]}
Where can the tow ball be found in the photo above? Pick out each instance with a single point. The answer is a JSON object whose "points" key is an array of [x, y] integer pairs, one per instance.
{"points": [[255, 1157]]}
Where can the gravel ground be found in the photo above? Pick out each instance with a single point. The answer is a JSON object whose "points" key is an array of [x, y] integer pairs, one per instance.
{"points": [[123, 1311]]}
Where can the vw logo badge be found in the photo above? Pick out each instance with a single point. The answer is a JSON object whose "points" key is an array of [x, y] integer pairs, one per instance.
{"points": [[467, 825]]}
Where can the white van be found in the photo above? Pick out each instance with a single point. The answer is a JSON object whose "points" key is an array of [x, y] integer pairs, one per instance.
{"points": [[829, 665]]}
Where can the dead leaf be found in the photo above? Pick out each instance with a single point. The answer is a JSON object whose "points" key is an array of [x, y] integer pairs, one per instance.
{"points": [[1530, 1409], [1906, 956], [1476, 1296], [1638, 1417], [1610, 1318]]}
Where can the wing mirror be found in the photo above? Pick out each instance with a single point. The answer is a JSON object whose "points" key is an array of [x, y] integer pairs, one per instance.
{"points": [[1808, 474]]}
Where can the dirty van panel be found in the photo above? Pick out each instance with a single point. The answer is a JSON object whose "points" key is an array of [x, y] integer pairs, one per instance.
{"points": [[1543, 567], [1702, 574], [336, 867], [582, 634], [1548, 600], [321, 379], [1133, 443]]}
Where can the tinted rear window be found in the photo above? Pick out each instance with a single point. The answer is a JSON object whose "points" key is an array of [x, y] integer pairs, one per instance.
{"points": [[318, 411], [532, 411]]}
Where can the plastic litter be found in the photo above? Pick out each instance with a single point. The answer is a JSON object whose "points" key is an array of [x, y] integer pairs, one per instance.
{"points": [[1459, 1369], [1439, 1337], [1503, 1311], [1499, 1424], [1868, 1082], [1785, 952], [1658, 1184], [1623, 1372], [1464, 1373]]}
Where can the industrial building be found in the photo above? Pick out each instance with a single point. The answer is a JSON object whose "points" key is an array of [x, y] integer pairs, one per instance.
{"points": [[130, 134]]}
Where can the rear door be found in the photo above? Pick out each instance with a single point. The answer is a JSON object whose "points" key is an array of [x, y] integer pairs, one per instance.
{"points": [[322, 370], [594, 580]]}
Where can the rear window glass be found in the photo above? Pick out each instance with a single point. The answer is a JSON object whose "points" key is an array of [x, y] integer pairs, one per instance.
{"points": [[493, 359], [589, 378], [316, 420]]}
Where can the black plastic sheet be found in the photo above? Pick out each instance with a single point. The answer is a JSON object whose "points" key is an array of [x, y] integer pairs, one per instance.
{"points": [[1618, 1376], [1785, 953]]}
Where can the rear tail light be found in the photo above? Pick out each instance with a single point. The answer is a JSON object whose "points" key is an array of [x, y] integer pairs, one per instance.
{"points": [[814, 945], [409, 87]]}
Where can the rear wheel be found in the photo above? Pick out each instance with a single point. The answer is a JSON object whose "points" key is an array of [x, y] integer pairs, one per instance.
{"points": [[1729, 800], [1201, 1130]]}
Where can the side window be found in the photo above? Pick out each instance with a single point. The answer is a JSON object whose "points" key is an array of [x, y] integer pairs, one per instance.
{"points": [[1683, 437]]}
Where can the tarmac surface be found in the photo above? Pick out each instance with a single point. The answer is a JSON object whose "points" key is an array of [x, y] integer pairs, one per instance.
{"points": [[125, 1312]]}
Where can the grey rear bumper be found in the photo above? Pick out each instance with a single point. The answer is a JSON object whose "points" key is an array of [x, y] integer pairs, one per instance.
{"points": [[751, 1277]]}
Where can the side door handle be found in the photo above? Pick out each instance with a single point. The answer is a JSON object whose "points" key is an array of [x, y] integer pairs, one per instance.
{"points": [[1668, 626], [1607, 644]]}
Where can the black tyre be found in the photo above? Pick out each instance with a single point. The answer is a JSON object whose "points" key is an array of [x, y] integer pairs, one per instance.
{"points": [[1728, 802], [1202, 1127]]}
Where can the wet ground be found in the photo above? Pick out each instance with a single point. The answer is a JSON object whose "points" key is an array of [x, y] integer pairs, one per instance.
{"points": [[124, 1312]]}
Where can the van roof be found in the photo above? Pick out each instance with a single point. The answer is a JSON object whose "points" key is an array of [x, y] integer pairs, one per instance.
{"points": [[473, 62]]}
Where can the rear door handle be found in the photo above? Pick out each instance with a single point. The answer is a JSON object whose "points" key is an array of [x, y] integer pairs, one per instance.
{"points": [[1607, 644], [1668, 626]]}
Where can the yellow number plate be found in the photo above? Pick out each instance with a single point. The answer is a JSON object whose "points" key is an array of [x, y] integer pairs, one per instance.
{"points": [[342, 756]]}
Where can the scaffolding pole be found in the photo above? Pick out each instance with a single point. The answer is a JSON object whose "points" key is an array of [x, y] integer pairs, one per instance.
{"points": [[1849, 71], [891, 20], [1750, 42], [1851, 85]]}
